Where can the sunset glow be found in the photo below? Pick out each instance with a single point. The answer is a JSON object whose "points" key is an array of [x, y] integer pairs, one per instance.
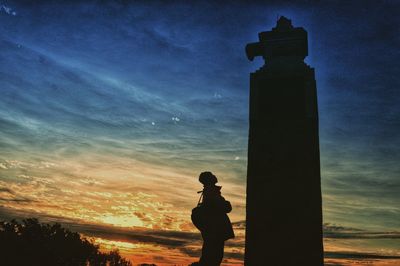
{"points": [[109, 112]]}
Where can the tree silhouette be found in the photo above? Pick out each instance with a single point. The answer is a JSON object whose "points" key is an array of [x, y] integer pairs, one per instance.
{"points": [[34, 243]]}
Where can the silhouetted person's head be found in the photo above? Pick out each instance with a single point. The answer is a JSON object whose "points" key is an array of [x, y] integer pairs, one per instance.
{"points": [[208, 179]]}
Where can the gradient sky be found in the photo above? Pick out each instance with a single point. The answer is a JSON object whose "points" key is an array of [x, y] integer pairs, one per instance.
{"points": [[109, 111]]}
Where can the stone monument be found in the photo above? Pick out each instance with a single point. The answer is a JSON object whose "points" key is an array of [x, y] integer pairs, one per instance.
{"points": [[284, 206]]}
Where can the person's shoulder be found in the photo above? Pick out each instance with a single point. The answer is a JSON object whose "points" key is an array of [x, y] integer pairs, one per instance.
{"points": [[212, 189]]}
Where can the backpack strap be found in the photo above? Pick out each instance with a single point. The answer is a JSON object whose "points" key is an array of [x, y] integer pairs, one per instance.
{"points": [[200, 199]]}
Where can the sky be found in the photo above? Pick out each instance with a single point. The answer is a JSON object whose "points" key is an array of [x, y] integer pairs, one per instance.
{"points": [[109, 110]]}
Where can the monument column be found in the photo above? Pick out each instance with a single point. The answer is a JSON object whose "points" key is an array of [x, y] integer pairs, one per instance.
{"points": [[284, 206]]}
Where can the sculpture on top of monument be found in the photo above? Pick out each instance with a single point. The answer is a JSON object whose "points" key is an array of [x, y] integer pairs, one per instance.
{"points": [[283, 201]]}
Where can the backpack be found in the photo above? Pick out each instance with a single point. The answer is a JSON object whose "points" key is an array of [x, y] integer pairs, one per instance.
{"points": [[199, 216], [210, 223]]}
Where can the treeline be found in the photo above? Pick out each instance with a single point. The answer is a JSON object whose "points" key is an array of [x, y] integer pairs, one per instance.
{"points": [[38, 244]]}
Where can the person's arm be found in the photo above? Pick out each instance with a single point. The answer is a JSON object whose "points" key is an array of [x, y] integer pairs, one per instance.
{"points": [[228, 206], [225, 205]]}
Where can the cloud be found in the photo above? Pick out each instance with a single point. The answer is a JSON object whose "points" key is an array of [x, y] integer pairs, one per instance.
{"points": [[166, 238], [8, 195], [332, 231], [6, 190], [8, 10], [189, 243], [359, 255], [340, 232]]}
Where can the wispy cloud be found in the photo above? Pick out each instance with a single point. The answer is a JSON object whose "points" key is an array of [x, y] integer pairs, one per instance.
{"points": [[334, 231], [8, 10]]}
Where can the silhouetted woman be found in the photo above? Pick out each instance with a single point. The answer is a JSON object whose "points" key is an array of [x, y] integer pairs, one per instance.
{"points": [[211, 218]]}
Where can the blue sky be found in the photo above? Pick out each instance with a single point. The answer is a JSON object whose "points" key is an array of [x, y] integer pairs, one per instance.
{"points": [[140, 97]]}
